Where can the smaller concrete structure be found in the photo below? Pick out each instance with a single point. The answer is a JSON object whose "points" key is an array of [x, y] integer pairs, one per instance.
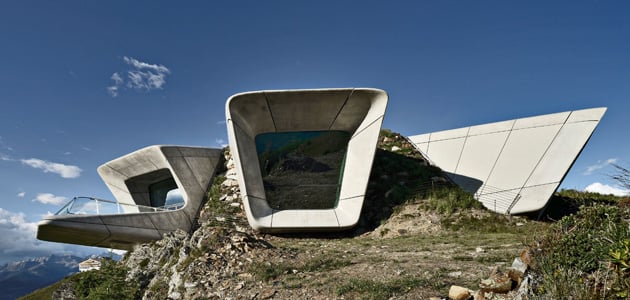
{"points": [[303, 157], [512, 166], [158, 189]]}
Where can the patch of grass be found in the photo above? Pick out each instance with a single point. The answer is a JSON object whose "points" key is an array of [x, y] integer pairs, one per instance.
{"points": [[267, 271], [159, 288], [450, 199], [214, 207], [370, 289], [323, 264], [490, 223], [143, 264], [495, 258], [463, 258]]}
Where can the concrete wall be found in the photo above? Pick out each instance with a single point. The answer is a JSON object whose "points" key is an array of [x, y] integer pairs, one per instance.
{"points": [[356, 111], [524, 159], [128, 178]]}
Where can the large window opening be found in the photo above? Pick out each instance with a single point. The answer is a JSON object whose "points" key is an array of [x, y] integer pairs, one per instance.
{"points": [[166, 194], [303, 169]]}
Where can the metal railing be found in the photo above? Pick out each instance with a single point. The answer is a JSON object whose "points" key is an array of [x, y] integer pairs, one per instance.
{"points": [[500, 200], [95, 206]]}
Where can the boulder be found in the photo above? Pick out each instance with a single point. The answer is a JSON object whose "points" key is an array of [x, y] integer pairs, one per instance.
{"points": [[497, 284], [458, 293]]}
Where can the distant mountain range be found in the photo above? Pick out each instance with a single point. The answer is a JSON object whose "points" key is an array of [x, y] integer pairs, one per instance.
{"points": [[22, 277]]}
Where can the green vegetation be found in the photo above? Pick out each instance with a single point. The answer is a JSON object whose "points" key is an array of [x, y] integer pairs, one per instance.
{"points": [[45, 293], [586, 255], [215, 207], [371, 289], [449, 199], [107, 283], [266, 271]]}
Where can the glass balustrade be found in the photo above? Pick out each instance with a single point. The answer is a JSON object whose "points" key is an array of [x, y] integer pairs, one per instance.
{"points": [[95, 206]]}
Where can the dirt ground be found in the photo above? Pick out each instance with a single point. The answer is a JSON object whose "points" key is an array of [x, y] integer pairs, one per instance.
{"points": [[415, 255]]}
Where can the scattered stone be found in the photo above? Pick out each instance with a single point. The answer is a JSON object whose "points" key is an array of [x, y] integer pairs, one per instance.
{"points": [[395, 148], [267, 294], [523, 290], [479, 250], [230, 183], [497, 284], [518, 268], [479, 295], [458, 293], [455, 274], [526, 257]]}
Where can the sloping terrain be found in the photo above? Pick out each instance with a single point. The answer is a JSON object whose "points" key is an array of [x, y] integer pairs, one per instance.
{"points": [[417, 236]]}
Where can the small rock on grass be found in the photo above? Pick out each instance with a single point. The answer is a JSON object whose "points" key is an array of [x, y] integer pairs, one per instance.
{"points": [[458, 293]]}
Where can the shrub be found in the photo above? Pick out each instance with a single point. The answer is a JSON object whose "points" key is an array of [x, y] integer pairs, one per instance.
{"points": [[574, 259]]}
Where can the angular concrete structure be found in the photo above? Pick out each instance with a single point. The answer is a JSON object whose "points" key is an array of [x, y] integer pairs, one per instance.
{"points": [[513, 166], [159, 189], [303, 157]]}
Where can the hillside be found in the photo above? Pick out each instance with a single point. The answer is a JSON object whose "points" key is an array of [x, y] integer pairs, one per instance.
{"points": [[417, 236]]}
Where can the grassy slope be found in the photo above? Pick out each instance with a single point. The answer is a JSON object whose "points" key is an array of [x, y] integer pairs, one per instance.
{"points": [[468, 244]]}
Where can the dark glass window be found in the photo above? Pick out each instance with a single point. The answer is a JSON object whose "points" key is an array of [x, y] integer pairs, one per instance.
{"points": [[302, 170], [166, 193]]}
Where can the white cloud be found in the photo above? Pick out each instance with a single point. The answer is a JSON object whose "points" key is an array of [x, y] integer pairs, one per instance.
{"points": [[112, 91], [66, 171], [86, 148], [142, 65], [5, 157], [222, 122], [21, 194], [116, 78], [598, 166], [142, 77], [221, 142], [605, 189], [17, 237], [48, 198], [67, 153]]}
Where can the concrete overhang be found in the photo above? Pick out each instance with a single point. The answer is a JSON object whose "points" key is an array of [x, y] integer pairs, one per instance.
{"points": [[129, 178], [358, 112], [512, 166]]}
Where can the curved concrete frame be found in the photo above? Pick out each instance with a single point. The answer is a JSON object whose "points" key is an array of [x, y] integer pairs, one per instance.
{"points": [[128, 178], [512, 166], [356, 111]]}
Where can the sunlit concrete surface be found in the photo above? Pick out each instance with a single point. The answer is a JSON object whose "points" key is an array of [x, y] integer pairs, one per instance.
{"points": [[359, 112], [512, 166], [132, 179]]}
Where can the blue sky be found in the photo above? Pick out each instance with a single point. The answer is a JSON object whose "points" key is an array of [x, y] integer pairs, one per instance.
{"points": [[84, 82]]}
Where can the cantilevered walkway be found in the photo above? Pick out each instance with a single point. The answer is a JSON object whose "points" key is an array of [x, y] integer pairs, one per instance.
{"points": [[158, 189]]}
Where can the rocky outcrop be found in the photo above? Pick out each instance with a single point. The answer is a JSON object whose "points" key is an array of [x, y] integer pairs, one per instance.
{"points": [[210, 262]]}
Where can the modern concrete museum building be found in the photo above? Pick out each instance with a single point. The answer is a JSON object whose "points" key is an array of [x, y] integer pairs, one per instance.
{"points": [[158, 189], [303, 160], [512, 166]]}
